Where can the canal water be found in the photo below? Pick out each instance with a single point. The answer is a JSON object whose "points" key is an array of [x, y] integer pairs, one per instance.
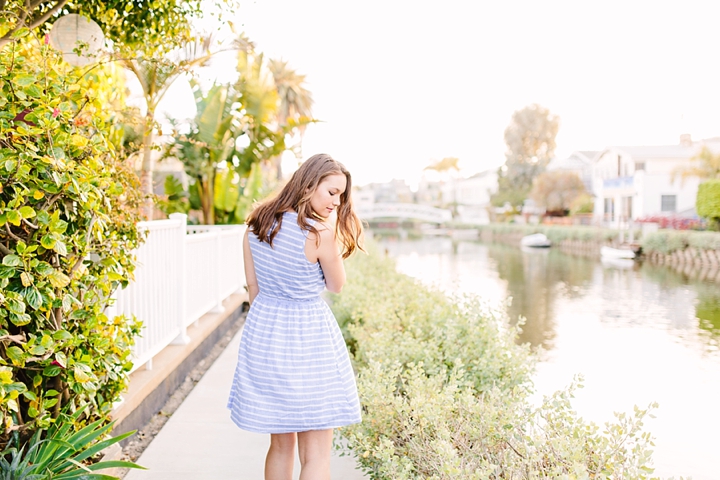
{"points": [[637, 332]]}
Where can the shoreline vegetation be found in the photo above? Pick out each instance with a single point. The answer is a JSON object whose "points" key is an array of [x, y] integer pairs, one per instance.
{"points": [[700, 248], [446, 392]]}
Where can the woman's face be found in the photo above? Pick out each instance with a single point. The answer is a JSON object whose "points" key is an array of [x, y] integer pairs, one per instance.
{"points": [[326, 197]]}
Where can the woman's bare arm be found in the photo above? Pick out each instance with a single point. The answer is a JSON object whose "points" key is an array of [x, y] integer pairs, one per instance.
{"points": [[328, 254], [250, 277]]}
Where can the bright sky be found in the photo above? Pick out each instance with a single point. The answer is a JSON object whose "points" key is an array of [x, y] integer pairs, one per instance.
{"points": [[401, 83]]}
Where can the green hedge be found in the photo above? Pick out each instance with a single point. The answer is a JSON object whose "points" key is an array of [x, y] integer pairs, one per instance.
{"points": [[556, 233], [669, 241], [708, 200], [446, 392]]}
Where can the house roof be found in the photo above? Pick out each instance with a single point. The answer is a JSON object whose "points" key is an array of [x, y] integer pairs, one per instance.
{"points": [[589, 154], [484, 173], [576, 161], [655, 151]]}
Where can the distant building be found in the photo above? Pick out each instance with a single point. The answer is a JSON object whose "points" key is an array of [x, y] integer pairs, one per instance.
{"points": [[641, 181], [580, 162], [470, 197], [394, 191], [429, 192]]}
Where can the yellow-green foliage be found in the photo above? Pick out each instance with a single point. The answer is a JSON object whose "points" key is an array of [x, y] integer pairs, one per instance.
{"points": [[68, 214], [669, 241], [445, 392], [708, 199]]}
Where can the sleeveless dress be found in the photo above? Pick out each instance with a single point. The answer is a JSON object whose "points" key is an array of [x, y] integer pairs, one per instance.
{"points": [[293, 372]]}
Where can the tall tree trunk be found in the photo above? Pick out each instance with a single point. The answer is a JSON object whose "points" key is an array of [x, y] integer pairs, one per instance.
{"points": [[207, 197], [148, 165]]}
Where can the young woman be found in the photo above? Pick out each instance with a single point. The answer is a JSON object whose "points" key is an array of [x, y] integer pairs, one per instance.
{"points": [[293, 378]]}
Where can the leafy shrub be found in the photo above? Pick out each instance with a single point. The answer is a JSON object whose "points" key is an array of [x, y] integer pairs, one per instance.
{"points": [[68, 213], [555, 233], [582, 205], [446, 392], [708, 201], [669, 241]]}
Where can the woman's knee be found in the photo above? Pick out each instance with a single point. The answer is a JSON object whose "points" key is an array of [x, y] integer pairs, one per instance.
{"points": [[283, 442], [315, 446]]}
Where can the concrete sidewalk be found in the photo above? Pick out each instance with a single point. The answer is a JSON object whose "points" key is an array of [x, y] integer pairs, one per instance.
{"points": [[199, 442]]}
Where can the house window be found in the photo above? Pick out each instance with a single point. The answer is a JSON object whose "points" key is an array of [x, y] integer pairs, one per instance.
{"points": [[639, 166], [668, 203]]}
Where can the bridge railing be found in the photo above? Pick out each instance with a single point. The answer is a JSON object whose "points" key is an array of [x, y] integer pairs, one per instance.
{"points": [[182, 273], [414, 211]]}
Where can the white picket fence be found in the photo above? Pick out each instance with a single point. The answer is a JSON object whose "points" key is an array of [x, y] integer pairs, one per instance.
{"points": [[182, 273]]}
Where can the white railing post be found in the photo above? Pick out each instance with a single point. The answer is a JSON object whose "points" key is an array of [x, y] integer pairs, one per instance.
{"points": [[242, 290], [217, 275], [182, 338]]}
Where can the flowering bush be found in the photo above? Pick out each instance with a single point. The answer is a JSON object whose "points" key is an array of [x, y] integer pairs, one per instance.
{"points": [[445, 392], [674, 222]]}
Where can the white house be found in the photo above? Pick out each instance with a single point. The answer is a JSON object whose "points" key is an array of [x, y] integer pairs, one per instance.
{"points": [[471, 196], [580, 162], [635, 182]]}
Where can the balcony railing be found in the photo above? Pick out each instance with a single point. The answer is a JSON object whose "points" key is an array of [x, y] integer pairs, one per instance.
{"points": [[182, 273], [619, 182]]}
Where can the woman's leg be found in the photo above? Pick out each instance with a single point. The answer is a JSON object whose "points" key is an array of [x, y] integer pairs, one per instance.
{"points": [[315, 448], [280, 457]]}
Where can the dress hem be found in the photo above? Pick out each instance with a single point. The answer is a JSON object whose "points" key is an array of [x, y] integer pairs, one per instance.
{"points": [[274, 431]]}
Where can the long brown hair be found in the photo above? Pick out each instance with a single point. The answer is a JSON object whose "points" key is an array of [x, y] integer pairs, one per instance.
{"points": [[265, 221]]}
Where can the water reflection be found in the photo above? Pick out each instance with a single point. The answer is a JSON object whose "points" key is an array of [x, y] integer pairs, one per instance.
{"points": [[541, 281], [535, 277]]}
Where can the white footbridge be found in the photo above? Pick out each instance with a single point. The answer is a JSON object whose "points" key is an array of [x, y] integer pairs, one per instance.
{"points": [[404, 211]]}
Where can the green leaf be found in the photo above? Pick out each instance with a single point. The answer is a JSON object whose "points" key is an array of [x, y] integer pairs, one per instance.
{"points": [[37, 350], [44, 268], [12, 261], [29, 395], [14, 217], [7, 272], [61, 359], [15, 354], [51, 370], [24, 80], [60, 248], [80, 374], [58, 279], [20, 319], [48, 241], [33, 297], [62, 335], [27, 212]]}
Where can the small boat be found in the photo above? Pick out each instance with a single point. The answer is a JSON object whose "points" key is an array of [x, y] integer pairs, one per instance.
{"points": [[610, 252], [536, 240], [619, 263]]}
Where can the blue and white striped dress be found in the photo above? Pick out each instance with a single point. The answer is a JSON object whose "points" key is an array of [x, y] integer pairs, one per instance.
{"points": [[293, 372]]}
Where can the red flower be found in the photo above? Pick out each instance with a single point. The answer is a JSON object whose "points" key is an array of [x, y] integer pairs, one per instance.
{"points": [[47, 38], [56, 112]]}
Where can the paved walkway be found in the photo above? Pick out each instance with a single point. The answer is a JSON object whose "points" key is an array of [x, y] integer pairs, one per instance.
{"points": [[199, 442]]}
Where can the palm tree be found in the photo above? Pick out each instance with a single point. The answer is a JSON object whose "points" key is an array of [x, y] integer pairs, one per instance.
{"points": [[295, 102], [155, 77], [705, 166]]}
